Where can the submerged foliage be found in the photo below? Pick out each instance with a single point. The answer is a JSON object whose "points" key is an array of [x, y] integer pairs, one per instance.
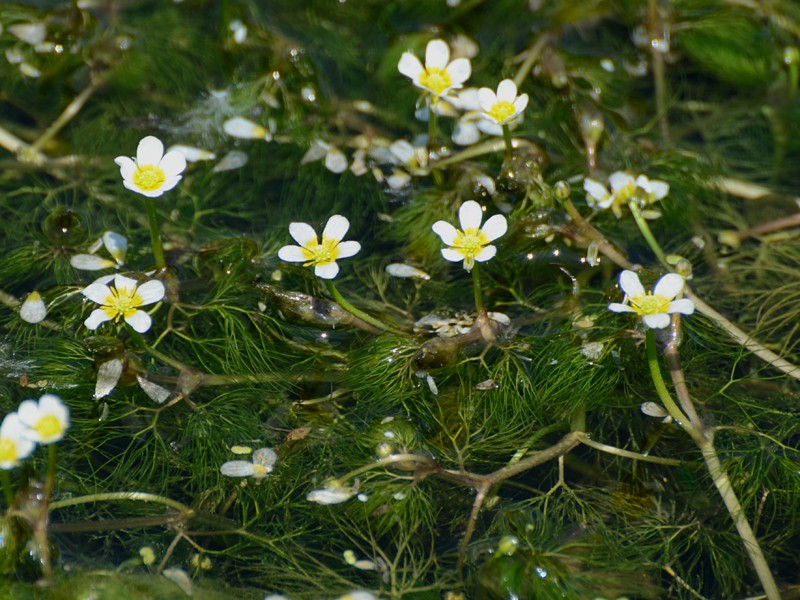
{"points": [[405, 442]]}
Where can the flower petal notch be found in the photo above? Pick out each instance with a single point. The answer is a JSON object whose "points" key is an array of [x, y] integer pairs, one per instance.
{"points": [[504, 107], [151, 172], [320, 254], [653, 307], [471, 243], [123, 301], [45, 421], [439, 75]]}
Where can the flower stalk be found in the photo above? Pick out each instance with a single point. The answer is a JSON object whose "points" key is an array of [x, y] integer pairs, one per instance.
{"points": [[646, 232], [345, 304], [155, 234]]}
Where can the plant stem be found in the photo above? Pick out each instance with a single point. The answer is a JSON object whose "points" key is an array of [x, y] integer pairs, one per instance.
{"points": [[661, 388], [715, 469], [431, 124], [155, 234], [476, 289], [122, 496], [659, 68], [507, 142], [647, 234], [50, 478], [340, 300]]}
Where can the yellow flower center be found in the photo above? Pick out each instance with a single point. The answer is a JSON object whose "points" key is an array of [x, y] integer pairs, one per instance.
{"points": [[149, 177], [650, 304], [8, 450], [122, 303], [469, 244], [436, 80], [502, 111], [48, 426], [321, 254], [259, 470]]}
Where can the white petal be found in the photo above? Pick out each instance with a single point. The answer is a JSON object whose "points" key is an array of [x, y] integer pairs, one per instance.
{"points": [[595, 189], [452, 255], [507, 91], [669, 286], [684, 306], [51, 404], [398, 179], [521, 103], [405, 271], [128, 183], [116, 245], [335, 495], [630, 284], [121, 282], [235, 159], [335, 161], [328, 271], [173, 164], [96, 292], [149, 151], [659, 189], [466, 133], [265, 457], [239, 127], [237, 468], [348, 249], [153, 390], [336, 228], [292, 254], [617, 307], [126, 166], [28, 412], [470, 215], [30, 33], [168, 184], [487, 253], [459, 71], [97, 317], [303, 233], [192, 153], [151, 291], [317, 150], [410, 66], [437, 54], [446, 231], [403, 150], [620, 179], [140, 321], [495, 227], [656, 321], [33, 310], [108, 375], [487, 99]]}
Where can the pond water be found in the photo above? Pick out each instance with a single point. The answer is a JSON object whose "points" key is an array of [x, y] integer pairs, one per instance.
{"points": [[399, 299]]}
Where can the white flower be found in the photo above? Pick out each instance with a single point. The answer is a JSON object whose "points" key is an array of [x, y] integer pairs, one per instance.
{"points": [[322, 255], [505, 106], [30, 33], [13, 445], [439, 75], [151, 172], [33, 310], [259, 467], [358, 595], [656, 306], [624, 188], [115, 244], [239, 127], [46, 421], [471, 242], [123, 302]]}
